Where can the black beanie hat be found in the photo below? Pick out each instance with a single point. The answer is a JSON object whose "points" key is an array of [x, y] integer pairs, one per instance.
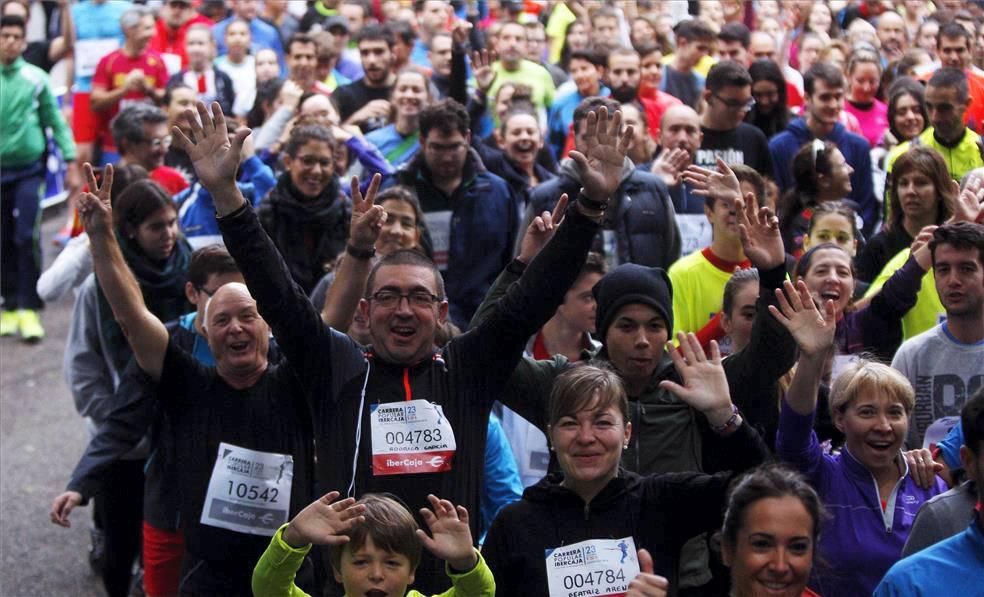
{"points": [[630, 283]]}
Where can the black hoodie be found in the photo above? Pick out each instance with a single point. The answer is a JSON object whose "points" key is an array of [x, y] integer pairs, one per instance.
{"points": [[660, 512]]}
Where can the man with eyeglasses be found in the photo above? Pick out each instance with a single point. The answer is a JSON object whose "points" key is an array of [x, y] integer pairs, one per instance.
{"points": [[173, 22], [140, 132], [471, 214], [358, 394], [728, 98]]}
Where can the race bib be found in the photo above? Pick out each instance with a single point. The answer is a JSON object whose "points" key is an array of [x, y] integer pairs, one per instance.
{"points": [[88, 52], [172, 62], [439, 224], [695, 232], [249, 491], [410, 438], [602, 567]]}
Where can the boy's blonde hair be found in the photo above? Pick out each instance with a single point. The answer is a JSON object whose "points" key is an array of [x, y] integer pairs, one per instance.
{"points": [[390, 526]]}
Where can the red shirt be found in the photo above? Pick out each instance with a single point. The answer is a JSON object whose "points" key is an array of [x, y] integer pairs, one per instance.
{"points": [[172, 41], [170, 179], [111, 73]]}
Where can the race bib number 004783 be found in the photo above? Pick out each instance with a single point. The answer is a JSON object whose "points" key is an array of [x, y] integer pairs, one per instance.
{"points": [[410, 437]]}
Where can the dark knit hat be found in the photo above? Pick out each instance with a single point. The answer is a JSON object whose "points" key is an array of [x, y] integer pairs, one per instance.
{"points": [[630, 283]]}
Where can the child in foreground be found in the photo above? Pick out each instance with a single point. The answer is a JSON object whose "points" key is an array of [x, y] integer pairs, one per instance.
{"points": [[375, 548]]}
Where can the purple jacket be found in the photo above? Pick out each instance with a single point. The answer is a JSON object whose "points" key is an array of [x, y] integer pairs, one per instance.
{"points": [[860, 541]]}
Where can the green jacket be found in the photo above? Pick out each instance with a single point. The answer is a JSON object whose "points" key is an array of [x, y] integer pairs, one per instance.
{"points": [[29, 107], [274, 574]]}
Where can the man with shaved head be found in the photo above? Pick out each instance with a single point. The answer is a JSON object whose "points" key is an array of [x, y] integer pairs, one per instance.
{"points": [[680, 137], [892, 35], [216, 437]]}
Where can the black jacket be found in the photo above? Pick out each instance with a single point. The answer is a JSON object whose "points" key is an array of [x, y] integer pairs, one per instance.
{"points": [[660, 512], [308, 233], [465, 377], [642, 215]]}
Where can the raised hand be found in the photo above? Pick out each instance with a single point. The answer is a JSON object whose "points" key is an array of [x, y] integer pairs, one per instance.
{"points": [[969, 204], [647, 584], [601, 155], [460, 30], [367, 217], [812, 330], [95, 207], [63, 505], [919, 248], [705, 386], [719, 185], [670, 164], [541, 230], [452, 539], [324, 521], [482, 69], [759, 230], [212, 153]]}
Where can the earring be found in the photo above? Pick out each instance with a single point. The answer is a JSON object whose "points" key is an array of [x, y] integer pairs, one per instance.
{"points": [[625, 446]]}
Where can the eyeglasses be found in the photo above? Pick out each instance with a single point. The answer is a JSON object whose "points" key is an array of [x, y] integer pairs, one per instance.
{"points": [[736, 104], [208, 293], [818, 148], [389, 299], [159, 143]]}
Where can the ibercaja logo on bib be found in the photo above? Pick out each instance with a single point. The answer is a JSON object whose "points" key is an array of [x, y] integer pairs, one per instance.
{"points": [[411, 437]]}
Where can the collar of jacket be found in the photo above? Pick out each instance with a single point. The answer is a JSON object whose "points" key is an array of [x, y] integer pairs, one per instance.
{"points": [[860, 473]]}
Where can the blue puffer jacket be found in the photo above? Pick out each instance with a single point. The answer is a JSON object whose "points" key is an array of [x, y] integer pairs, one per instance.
{"points": [[860, 541], [856, 150], [196, 209], [642, 215], [484, 220]]}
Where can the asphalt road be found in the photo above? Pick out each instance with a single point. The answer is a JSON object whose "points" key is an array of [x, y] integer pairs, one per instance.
{"points": [[41, 439]]}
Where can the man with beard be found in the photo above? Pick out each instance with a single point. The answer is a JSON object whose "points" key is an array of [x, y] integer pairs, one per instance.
{"points": [[953, 45], [471, 214], [891, 32], [512, 66], [644, 231], [366, 102], [824, 86], [624, 78], [728, 97], [941, 361]]}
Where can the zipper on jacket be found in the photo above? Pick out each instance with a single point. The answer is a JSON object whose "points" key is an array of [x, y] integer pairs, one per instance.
{"points": [[407, 392], [888, 512]]}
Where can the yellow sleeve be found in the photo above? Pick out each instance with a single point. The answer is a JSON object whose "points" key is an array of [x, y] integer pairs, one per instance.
{"points": [[274, 573], [928, 310], [477, 582]]}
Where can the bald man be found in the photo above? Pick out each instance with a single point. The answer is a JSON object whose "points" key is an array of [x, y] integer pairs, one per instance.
{"points": [[892, 36], [679, 131]]}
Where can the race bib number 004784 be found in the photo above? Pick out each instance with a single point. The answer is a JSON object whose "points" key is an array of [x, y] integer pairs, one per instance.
{"points": [[597, 567]]}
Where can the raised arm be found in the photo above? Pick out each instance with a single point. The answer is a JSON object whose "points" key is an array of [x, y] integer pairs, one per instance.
{"points": [[353, 270], [814, 335], [146, 334]]}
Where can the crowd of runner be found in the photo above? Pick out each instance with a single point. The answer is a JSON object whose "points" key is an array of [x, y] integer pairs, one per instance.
{"points": [[551, 298]]}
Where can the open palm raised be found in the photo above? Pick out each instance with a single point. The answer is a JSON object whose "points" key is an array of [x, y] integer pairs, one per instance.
{"points": [[600, 155], [214, 157]]}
